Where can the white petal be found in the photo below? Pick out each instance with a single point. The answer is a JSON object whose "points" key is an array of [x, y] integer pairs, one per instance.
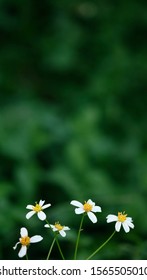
{"points": [[129, 219], [125, 226], [30, 214], [62, 232], [30, 207], [46, 206], [36, 238], [96, 209], [54, 229], [47, 226], [66, 228], [16, 245], [92, 217], [131, 225], [79, 210], [23, 251], [89, 201], [117, 226], [41, 202], [76, 203], [41, 215], [23, 232], [111, 218], [52, 226]]}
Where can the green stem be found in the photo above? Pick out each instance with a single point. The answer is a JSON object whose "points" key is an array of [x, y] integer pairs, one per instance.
{"points": [[59, 248], [99, 248], [26, 256], [55, 237], [50, 249], [78, 237]]}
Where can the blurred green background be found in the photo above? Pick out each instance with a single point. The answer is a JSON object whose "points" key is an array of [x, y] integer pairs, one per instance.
{"points": [[73, 121]]}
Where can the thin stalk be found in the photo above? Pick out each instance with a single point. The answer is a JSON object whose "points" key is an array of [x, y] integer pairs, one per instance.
{"points": [[78, 237], [99, 248], [55, 236], [26, 256], [50, 249], [59, 247]]}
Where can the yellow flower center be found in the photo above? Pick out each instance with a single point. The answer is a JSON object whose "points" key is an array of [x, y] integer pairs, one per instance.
{"points": [[122, 217], [87, 207], [25, 241], [37, 208], [58, 226]]}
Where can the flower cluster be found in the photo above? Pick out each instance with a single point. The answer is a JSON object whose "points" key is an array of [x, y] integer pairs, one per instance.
{"points": [[121, 219], [57, 227], [25, 241], [88, 208], [37, 209]]}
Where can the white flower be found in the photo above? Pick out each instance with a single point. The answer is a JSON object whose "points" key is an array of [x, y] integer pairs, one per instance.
{"points": [[88, 207], [37, 209], [25, 241], [121, 219], [59, 228]]}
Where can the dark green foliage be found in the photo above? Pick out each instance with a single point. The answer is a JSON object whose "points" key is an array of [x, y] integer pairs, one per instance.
{"points": [[73, 120]]}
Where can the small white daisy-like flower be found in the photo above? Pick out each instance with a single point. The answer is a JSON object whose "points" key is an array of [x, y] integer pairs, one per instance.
{"points": [[38, 208], [89, 207], [25, 241], [59, 228], [121, 219]]}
